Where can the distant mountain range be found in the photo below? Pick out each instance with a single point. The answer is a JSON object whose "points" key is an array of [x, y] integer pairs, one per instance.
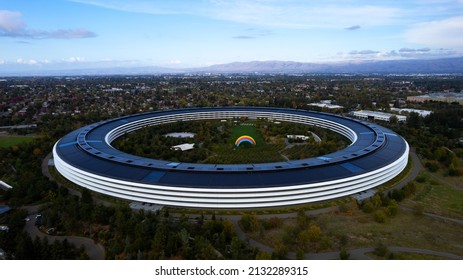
{"points": [[410, 66], [429, 66]]}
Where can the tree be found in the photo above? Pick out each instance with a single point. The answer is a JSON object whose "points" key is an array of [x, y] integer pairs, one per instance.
{"points": [[377, 201], [280, 250], [300, 254], [302, 219], [393, 119], [160, 237], [235, 248], [381, 250], [392, 208], [380, 216], [368, 207], [263, 255], [414, 120], [86, 196], [312, 234], [250, 222], [344, 254]]}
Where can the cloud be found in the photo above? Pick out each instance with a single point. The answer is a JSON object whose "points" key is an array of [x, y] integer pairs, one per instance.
{"points": [[408, 50], [75, 59], [10, 21], [23, 42], [11, 25], [254, 33], [446, 33], [303, 14], [403, 53], [244, 37], [364, 52], [353, 27], [64, 34], [26, 61], [295, 14]]}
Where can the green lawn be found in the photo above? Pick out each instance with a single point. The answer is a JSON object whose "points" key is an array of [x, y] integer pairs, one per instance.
{"points": [[439, 199], [6, 142], [249, 130], [246, 153], [360, 230]]}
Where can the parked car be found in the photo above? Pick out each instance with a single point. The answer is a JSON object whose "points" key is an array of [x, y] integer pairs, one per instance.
{"points": [[38, 220]]}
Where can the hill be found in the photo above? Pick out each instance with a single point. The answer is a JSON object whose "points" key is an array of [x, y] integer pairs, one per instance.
{"points": [[425, 66]]}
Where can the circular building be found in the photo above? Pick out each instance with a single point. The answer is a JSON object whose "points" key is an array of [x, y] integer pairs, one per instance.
{"points": [[86, 157]]}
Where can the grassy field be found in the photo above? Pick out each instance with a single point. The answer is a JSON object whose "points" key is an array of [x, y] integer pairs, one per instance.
{"points": [[9, 141], [408, 229], [246, 152], [249, 130], [360, 230], [438, 198]]}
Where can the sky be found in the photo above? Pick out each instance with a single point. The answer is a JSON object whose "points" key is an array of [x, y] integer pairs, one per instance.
{"points": [[65, 34]]}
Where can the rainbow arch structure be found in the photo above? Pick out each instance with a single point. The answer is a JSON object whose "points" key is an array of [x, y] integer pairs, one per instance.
{"points": [[245, 138]]}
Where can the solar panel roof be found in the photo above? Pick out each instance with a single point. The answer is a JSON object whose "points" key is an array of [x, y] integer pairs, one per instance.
{"points": [[87, 150]]}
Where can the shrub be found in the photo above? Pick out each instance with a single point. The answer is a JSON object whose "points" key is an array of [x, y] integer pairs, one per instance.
{"points": [[381, 250], [392, 208], [368, 207], [397, 195], [410, 188], [421, 178], [344, 254], [418, 210], [380, 216], [245, 222], [432, 166]]}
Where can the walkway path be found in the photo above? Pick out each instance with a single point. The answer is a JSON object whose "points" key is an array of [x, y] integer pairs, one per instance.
{"points": [[417, 167], [354, 254], [95, 251], [359, 253], [434, 216], [46, 173]]}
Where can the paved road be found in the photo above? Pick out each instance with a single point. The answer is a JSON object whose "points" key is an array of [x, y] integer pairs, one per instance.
{"points": [[359, 253], [316, 137], [46, 173], [417, 167], [95, 251]]}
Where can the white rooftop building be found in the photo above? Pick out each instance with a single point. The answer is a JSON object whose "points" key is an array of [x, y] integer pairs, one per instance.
{"points": [[4, 185], [184, 147], [180, 135], [297, 137], [374, 115], [325, 105], [422, 113]]}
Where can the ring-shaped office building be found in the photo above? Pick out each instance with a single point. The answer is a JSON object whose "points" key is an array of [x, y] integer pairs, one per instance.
{"points": [[375, 156]]}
